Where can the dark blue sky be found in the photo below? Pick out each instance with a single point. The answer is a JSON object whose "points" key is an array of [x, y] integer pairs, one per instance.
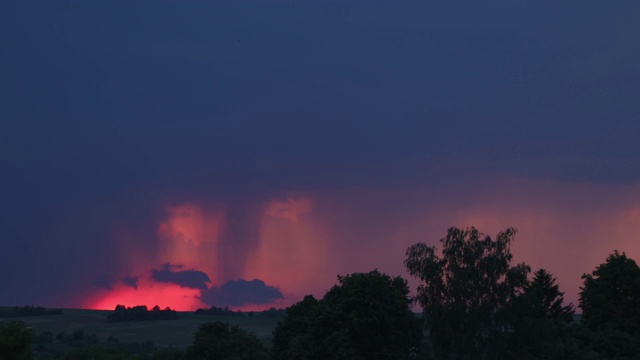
{"points": [[110, 111]]}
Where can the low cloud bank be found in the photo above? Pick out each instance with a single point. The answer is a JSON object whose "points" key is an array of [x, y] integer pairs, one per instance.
{"points": [[131, 281], [189, 278], [237, 293]]}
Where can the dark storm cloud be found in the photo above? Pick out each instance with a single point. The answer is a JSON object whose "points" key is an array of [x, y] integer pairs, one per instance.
{"points": [[112, 109], [131, 281], [104, 281], [186, 278], [391, 86], [238, 293]]}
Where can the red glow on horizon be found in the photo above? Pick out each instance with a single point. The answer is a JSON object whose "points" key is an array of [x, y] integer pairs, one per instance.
{"points": [[148, 294], [189, 236], [184, 237], [306, 240]]}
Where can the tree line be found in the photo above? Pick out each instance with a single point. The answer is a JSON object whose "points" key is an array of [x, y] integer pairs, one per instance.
{"points": [[226, 311], [476, 304], [22, 311], [140, 313]]}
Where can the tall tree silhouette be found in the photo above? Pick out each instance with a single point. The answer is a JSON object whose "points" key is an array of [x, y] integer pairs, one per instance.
{"points": [[466, 293], [539, 320], [545, 300], [610, 297]]}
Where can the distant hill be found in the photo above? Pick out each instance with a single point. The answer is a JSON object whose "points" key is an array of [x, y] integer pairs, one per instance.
{"points": [[23, 311], [177, 333]]}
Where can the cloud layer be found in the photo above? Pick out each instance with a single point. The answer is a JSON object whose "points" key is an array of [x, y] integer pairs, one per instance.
{"points": [[238, 293], [186, 278], [131, 281], [221, 140]]}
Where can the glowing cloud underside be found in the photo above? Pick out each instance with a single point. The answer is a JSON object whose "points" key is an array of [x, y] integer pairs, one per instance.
{"points": [[300, 243], [184, 269]]}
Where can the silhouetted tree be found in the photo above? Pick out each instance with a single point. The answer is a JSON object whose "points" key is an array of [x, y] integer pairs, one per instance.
{"points": [[610, 297], [365, 316], [140, 313], [273, 312], [466, 293], [293, 335], [544, 299], [610, 302], [214, 310], [540, 321], [220, 341]]}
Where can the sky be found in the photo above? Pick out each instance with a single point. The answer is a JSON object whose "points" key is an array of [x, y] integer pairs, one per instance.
{"points": [[245, 153]]}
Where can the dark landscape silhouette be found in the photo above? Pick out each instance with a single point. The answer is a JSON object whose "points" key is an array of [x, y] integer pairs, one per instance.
{"points": [[475, 304]]}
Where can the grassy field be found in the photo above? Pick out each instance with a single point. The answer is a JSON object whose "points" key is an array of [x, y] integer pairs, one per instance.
{"points": [[176, 333]]}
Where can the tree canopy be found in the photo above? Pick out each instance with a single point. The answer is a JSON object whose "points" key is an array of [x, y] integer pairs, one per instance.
{"points": [[544, 300], [221, 341], [539, 321], [365, 316], [140, 313], [476, 305], [610, 297], [465, 293]]}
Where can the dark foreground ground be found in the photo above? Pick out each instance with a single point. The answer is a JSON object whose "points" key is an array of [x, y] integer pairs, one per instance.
{"points": [[177, 333]]}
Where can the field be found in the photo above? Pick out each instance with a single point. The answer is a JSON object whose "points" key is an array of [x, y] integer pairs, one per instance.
{"points": [[177, 333]]}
